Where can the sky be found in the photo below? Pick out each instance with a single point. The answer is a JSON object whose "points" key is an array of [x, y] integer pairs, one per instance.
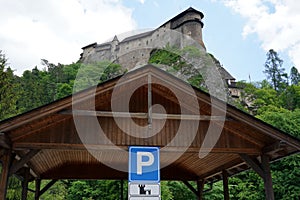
{"points": [[238, 33]]}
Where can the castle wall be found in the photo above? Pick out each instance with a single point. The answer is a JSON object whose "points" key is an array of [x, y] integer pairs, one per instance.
{"points": [[136, 50]]}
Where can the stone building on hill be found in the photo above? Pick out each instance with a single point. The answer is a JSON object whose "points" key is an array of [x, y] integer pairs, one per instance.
{"points": [[182, 30]]}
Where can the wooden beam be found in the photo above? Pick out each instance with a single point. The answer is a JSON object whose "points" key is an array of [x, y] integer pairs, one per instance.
{"points": [[267, 177], [20, 163], [6, 162], [149, 101], [196, 192], [52, 182], [254, 164], [62, 146], [37, 189], [225, 185], [143, 115], [25, 183], [5, 141]]}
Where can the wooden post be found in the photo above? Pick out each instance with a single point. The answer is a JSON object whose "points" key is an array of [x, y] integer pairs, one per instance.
{"points": [[262, 168], [225, 185], [122, 189], [6, 162], [37, 189], [25, 183], [200, 186], [265, 162]]}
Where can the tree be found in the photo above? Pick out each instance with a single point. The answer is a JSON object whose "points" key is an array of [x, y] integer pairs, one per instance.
{"points": [[294, 76], [274, 71], [9, 94]]}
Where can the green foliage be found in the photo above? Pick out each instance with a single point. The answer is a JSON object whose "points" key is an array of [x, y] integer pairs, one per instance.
{"points": [[93, 190], [14, 189], [173, 60], [9, 93], [246, 185], [92, 74], [180, 191]]}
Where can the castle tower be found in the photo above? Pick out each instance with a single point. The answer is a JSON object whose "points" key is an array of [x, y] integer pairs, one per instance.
{"points": [[189, 22]]}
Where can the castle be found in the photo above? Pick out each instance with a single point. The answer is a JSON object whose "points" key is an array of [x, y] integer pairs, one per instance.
{"points": [[182, 30]]}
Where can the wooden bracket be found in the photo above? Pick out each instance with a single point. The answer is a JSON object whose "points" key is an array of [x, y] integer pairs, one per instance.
{"points": [[254, 164], [191, 187], [20, 163], [52, 182]]}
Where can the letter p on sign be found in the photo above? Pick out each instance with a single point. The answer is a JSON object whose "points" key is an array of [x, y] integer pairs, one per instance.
{"points": [[140, 163], [144, 164]]}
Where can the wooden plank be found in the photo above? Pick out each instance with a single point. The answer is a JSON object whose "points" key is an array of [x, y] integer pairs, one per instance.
{"points": [[20, 163], [263, 127], [225, 184], [6, 162], [217, 170], [243, 135], [254, 164]]}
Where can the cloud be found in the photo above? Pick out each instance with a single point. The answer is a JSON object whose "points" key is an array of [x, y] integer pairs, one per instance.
{"points": [[56, 30], [276, 23]]}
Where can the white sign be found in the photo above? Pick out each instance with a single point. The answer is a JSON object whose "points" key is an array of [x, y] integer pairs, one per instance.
{"points": [[144, 191], [144, 198]]}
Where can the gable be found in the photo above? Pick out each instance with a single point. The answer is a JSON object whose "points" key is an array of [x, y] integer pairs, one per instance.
{"points": [[63, 145]]}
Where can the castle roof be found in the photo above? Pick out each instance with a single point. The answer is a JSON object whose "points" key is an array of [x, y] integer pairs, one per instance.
{"points": [[90, 45], [137, 36], [190, 9]]}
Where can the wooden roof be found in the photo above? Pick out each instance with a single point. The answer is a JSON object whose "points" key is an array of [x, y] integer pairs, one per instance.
{"points": [[48, 138]]}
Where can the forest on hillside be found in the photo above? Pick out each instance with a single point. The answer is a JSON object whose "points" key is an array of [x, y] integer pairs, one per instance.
{"points": [[275, 100]]}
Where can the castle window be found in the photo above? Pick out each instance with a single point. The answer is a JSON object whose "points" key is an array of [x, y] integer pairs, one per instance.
{"points": [[147, 42]]}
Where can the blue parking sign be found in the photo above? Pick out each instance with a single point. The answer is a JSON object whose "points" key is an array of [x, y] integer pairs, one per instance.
{"points": [[144, 164]]}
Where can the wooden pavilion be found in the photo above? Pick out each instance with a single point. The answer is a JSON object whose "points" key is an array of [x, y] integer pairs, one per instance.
{"points": [[45, 143]]}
